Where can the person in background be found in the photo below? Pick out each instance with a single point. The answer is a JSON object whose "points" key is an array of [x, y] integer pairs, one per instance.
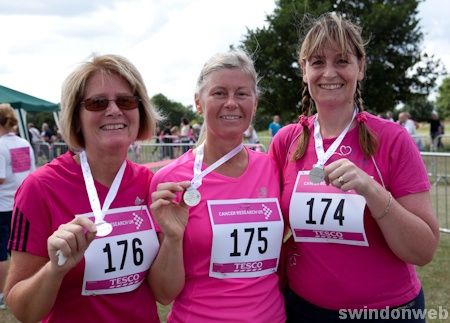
{"points": [[389, 116], [436, 131], [35, 139], [16, 163], [217, 210], [185, 134], [167, 139], [274, 126], [82, 239], [355, 191], [251, 137], [404, 119]]}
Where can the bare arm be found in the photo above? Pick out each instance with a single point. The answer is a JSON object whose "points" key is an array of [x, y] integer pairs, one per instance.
{"points": [[410, 227], [33, 282], [31, 287], [167, 273], [408, 224]]}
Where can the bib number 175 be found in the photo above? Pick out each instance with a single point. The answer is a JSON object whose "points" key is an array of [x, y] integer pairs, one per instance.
{"points": [[249, 233]]}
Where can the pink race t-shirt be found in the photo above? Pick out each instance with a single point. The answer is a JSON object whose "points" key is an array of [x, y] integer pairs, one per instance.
{"points": [[208, 299], [338, 276], [52, 196]]}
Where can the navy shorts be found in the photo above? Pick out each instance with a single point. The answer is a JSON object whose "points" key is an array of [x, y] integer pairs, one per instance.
{"points": [[5, 228]]}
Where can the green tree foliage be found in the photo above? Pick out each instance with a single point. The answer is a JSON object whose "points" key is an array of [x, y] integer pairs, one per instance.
{"points": [[396, 69], [172, 111], [443, 99], [419, 107]]}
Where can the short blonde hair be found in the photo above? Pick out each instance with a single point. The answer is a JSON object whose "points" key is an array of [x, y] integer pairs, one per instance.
{"points": [[233, 59], [8, 118], [75, 85]]}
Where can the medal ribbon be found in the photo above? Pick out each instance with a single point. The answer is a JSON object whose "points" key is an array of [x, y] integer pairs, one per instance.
{"points": [[323, 156], [199, 154], [99, 213]]}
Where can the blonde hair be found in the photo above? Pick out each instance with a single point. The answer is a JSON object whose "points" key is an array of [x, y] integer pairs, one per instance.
{"points": [[8, 118], [233, 59], [331, 29], [75, 85]]}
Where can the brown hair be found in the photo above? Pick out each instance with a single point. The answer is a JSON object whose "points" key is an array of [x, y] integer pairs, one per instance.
{"points": [[73, 91], [8, 118], [332, 29]]}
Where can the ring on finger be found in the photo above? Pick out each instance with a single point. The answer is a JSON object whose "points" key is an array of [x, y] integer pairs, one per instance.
{"points": [[341, 180]]}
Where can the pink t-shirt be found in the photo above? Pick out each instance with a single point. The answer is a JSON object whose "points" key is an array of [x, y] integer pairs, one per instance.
{"points": [[337, 276], [207, 299], [52, 196]]}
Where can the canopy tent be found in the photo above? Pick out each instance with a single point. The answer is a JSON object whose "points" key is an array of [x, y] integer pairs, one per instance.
{"points": [[23, 103]]}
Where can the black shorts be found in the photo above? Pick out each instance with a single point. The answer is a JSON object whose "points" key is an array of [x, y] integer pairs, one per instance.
{"points": [[5, 228], [299, 310]]}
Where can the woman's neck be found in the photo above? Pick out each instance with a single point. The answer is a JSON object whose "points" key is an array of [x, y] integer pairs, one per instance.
{"points": [[235, 166], [104, 167], [333, 122], [3, 131]]}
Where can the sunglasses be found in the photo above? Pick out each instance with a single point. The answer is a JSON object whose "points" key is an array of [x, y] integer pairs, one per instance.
{"points": [[128, 102]]}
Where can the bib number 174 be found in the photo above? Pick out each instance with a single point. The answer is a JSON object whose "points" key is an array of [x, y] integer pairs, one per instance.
{"points": [[338, 211]]}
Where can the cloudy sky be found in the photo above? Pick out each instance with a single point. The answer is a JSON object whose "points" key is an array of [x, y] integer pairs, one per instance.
{"points": [[43, 41]]}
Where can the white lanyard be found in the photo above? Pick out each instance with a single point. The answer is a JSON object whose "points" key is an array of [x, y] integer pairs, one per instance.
{"points": [[99, 213], [323, 156], [192, 196], [198, 174], [103, 228]]}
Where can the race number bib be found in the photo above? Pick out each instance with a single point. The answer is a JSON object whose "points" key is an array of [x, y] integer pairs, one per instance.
{"points": [[247, 237], [325, 214], [119, 262]]}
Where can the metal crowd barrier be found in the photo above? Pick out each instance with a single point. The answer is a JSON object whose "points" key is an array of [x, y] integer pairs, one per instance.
{"points": [[438, 166]]}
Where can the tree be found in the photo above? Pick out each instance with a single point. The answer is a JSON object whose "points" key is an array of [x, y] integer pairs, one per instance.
{"points": [[419, 108], [397, 71], [171, 110], [443, 99]]}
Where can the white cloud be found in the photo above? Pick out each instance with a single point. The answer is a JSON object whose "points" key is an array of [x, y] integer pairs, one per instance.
{"points": [[42, 41], [167, 40]]}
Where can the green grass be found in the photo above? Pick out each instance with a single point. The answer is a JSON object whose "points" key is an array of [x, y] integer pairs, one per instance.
{"points": [[435, 278]]}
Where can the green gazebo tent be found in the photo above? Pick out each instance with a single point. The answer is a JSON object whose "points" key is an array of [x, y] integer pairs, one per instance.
{"points": [[23, 103]]}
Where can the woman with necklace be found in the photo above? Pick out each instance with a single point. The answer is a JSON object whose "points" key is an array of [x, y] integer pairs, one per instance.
{"points": [[354, 190], [82, 239], [217, 210]]}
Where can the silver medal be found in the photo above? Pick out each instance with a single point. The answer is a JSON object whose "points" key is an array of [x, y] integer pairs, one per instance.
{"points": [[103, 229], [317, 175], [191, 197]]}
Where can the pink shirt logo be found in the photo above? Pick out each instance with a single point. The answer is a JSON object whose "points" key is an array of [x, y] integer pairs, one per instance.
{"points": [[20, 159]]}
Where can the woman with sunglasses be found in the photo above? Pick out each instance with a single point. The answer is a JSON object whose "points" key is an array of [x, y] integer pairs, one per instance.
{"points": [[217, 208], [82, 239]]}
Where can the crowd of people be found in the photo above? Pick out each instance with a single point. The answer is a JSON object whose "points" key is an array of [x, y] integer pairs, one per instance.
{"points": [[224, 233]]}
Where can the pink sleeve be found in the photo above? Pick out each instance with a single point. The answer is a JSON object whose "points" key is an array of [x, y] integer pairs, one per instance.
{"points": [[31, 221], [408, 173]]}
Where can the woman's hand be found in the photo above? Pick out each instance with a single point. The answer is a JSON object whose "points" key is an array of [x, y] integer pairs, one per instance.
{"points": [[71, 239], [171, 216], [347, 176]]}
